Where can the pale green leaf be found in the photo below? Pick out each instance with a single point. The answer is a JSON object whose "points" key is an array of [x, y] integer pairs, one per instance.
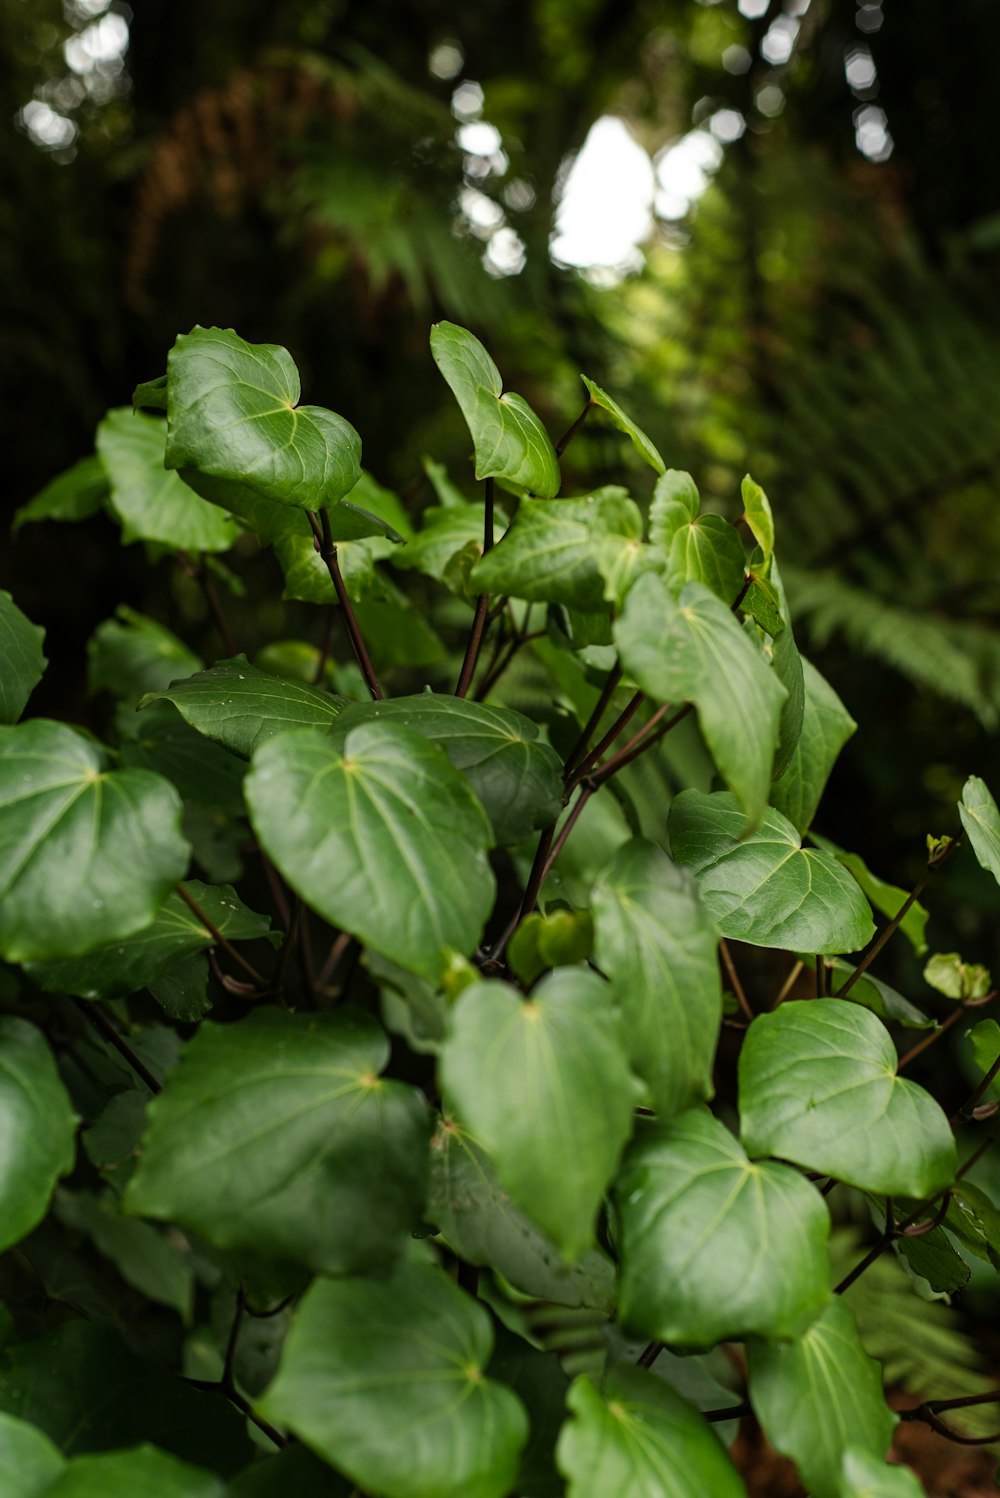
{"points": [[29, 1463], [757, 514], [887, 898], [981, 820], [675, 503], [863, 1475], [957, 979], [624, 423]]}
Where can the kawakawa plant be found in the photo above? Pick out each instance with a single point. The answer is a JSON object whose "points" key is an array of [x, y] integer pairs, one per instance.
{"points": [[413, 1184]]}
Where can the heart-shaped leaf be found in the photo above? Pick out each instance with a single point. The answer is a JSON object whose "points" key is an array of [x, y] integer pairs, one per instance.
{"points": [[554, 1105], [981, 820], [276, 1135], [87, 855], [381, 837], [36, 1113], [239, 706], [510, 441], [766, 889], [888, 898], [818, 1086], [405, 1356], [708, 550], [826, 727], [691, 649], [22, 663], [152, 503], [655, 941], [624, 423], [233, 413], [690, 1204], [675, 502]]}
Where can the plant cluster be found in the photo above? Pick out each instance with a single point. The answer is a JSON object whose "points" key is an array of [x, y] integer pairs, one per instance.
{"points": [[410, 1185]]}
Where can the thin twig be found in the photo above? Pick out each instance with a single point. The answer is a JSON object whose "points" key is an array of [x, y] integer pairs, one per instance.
{"points": [[336, 952], [228, 1378], [482, 603], [530, 895], [788, 984], [104, 1026], [570, 433], [592, 756], [215, 1386], [734, 978], [495, 673], [649, 1355], [327, 548], [611, 681], [277, 889], [639, 743], [287, 946], [218, 938], [933, 864], [212, 599]]}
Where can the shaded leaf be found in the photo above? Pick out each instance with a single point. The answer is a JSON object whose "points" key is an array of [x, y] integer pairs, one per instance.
{"points": [[146, 1259], [22, 662], [38, 1121], [152, 503], [29, 1462], [130, 654], [826, 727], [887, 898], [871, 993], [240, 706], [73, 495]]}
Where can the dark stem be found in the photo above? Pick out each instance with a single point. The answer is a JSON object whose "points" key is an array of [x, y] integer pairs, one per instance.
{"points": [[731, 1412], [623, 719], [277, 889], [228, 1379], [218, 938], [966, 1109], [570, 433], [640, 742], [328, 551], [325, 646], [822, 973], [482, 603], [614, 676], [336, 952], [103, 1025], [586, 791], [212, 599], [287, 946], [649, 1355], [210, 1386], [933, 864], [530, 895], [734, 978], [495, 672]]}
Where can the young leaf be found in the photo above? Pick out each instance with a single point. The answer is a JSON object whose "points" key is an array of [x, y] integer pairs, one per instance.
{"points": [[888, 898], [36, 1113], [276, 1135], [22, 663], [787, 664], [766, 889], [509, 440], [818, 1086], [152, 503], [130, 654], [381, 837], [233, 414], [981, 821], [820, 1396], [757, 514], [406, 1356], [87, 855], [624, 423], [863, 1475], [690, 1206], [826, 727], [554, 1106], [655, 941], [708, 550], [73, 495], [957, 979], [691, 649], [240, 707], [871, 993], [985, 1040], [444, 534], [635, 1437]]}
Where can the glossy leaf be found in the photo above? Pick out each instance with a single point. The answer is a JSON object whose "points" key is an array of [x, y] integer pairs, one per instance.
{"points": [[635, 1437], [381, 837], [75, 494], [826, 727], [554, 1106], [690, 1205], [444, 533], [974, 1220], [844, 1407], [510, 442], [513, 772], [482, 1224], [675, 502], [21, 660], [240, 707], [204, 773], [655, 941], [981, 820], [36, 1112], [862, 1475], [130, 654], [690, 649], [766, 889], [152, 503], [758, 516], [624, 423], [871, 993], [233, 413], [888, 898], [818, 1086], [787, 665], [708, 550], [87, 855], [276, 1135], [404, 1355]]}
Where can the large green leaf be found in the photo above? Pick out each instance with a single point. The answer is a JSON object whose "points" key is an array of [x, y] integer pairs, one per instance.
{"points": [[637, 1438], [203, 772], [864, 1476], [708, 550], [37, 1120], [655, 941], [481, 1222], [544, 1085], [691, 649], [443, 534], [690, 1204], [819, 1396], [565, 552], [86, 854], [152, 503], [381, 837], [509, 440], [233, 413], [888, 898], [130, 654], [624, 423], [514, 773], [21, 660], [675, 502], [239, 706], [385, 1380], [818, 1086], [75, 494], [766, 889], [125, 1474], [826, 727], [133, 962], [276, 1135], [981, 820]]}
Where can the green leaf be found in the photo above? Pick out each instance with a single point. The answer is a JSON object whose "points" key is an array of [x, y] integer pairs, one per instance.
{"points": [[636, 1438], [690, 1205], [826, 727], [404, 1355], [540, 1382], [708, 550], [36, 1112], [762, 603], [205, 774], [275, 1134], [554, 1105], [820, 1396], [240, 706], [691, 649], [443, 535], [885, 897], [22, 663], [655, 941], [514, 773], [863, 1475], [123, 1474], [29, 1462], [871, 993], [145, 1258], [87, 855], [233, 414], [133, 962], [150, 395], [152, 503], [624, 423], [767, 889], [985, 1040], [788, 669], [974, 1220], [381, 837], [956, 979], [981, 821], [484, 1226], [564, 552], [932, 1257], [675, 502], [509, 440], [818, 1086], [757, 514], [73, 495], [130, 654], [293, 1471]]}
